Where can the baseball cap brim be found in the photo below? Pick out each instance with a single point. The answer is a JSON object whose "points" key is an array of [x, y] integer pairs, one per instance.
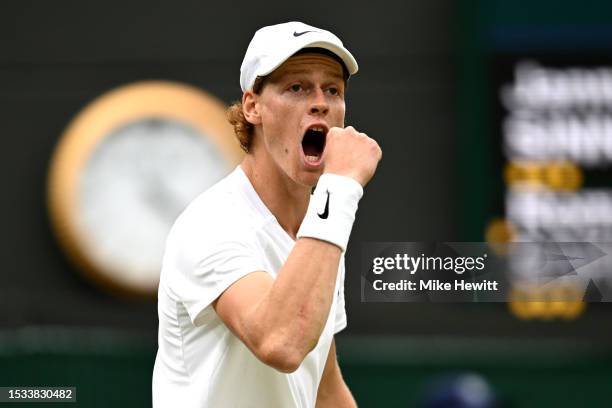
{"points": [[347, 58]]}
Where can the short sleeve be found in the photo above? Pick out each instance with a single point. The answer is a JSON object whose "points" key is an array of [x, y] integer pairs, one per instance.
{"points": [[340, 322], [208, 268]]}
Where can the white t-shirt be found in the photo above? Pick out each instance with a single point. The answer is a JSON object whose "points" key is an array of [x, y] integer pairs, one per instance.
{"points": [[224, 234]]}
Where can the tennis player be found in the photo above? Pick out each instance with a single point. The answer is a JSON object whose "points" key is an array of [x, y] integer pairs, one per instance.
{"points": [[252, 284]]}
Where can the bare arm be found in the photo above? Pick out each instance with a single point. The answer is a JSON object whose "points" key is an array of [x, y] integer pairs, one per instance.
{"points": [[333, 391], [280, 320]]}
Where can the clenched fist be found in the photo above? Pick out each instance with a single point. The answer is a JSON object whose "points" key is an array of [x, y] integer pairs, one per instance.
{"points": [[352, 154]]}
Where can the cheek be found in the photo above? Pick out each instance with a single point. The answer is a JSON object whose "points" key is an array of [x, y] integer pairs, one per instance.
{"points": [[277, 116], [280, 122], [341, 111], [336, 112], [279, 129]]}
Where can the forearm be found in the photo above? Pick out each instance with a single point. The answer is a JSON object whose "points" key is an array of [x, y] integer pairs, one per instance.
{"points": [[340, 397], [297, 305], [333, 391]]}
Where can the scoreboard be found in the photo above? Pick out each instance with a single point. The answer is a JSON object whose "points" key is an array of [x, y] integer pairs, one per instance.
{"points": [[553, 139], [536, 122]]}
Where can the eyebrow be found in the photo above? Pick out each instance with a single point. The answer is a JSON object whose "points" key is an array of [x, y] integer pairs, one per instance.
{"points": [[306, 71]]}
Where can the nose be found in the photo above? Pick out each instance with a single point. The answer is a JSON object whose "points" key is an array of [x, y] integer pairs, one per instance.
{"points": [[319, 105]]}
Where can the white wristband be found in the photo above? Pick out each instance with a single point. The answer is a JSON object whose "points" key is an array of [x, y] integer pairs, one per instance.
{"points": [[332, 209]]}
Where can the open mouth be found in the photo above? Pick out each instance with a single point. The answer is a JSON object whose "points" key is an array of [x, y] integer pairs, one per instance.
{"points": [[313, 143]]}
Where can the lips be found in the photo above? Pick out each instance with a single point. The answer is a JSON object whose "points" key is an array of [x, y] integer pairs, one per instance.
{"points": [[313, 143]]}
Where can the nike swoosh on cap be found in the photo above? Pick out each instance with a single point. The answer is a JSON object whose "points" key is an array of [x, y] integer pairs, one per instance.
{"points": [[296, 34]]}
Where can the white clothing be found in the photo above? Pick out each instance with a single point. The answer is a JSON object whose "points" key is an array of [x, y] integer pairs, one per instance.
{"points": [[224, 234]]}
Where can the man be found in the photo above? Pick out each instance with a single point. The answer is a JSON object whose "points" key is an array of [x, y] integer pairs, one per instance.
{"points": [[252, 284]]}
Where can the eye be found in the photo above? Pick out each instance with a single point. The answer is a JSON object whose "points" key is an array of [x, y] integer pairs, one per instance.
{"points": [[333, 91], [295, 88]]}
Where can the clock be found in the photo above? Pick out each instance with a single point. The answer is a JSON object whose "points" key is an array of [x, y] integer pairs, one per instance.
{"points": [[125, 168]]}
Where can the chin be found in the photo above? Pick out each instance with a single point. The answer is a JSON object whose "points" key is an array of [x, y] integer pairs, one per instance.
{"points": [[309, 179]]}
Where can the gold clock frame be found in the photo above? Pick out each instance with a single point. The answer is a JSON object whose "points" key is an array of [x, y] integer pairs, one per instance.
{"points": [[116, 108]]}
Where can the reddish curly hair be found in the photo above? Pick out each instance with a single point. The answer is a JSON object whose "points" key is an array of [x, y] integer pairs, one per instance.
{"points": [[243, 128]]}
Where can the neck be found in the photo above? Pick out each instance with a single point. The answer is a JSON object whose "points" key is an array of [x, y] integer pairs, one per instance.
{"points": [[285, 199]]}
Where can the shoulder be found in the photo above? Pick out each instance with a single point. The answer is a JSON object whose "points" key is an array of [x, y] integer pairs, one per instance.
{"points": [[213, 240], [221, 213]]}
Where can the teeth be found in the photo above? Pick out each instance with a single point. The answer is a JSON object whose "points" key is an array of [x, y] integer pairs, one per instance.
{"points": [[312, 159], [317, 128]]}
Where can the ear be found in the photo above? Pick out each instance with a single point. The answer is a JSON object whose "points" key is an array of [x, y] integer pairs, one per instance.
{"points": [[250, 108]]}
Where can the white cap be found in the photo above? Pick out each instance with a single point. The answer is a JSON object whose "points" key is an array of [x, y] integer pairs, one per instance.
{"points": [[273, 45]]}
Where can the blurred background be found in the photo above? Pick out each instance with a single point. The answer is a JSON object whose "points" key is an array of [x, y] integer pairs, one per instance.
{"points": [[495, 119]]}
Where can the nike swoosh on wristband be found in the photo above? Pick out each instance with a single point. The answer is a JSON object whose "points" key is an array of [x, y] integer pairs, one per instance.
{"points": [[296, 34], [326, 210]]}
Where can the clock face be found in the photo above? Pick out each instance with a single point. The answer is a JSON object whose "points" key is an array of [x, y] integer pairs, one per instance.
{"points": [[123, 170], [137, 181]]}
